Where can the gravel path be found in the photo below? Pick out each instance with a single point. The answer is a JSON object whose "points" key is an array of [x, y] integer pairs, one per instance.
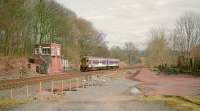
{"points": [[163, 84], [108, 97]]}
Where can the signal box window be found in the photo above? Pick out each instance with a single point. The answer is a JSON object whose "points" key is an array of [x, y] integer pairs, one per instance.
{"points": [[46, 51], [36, 51]]}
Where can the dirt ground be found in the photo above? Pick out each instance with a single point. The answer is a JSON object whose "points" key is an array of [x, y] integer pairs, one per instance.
{"points": [[121, 92], [152, 83], [108, 94]]}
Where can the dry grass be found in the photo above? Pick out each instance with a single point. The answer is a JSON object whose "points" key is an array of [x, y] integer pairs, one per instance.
{"points": [[12, 102], [177, 102], [10, 64], [115, 74]]}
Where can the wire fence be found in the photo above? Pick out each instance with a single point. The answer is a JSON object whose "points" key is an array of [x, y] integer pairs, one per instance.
{"points": [[53, 86]]}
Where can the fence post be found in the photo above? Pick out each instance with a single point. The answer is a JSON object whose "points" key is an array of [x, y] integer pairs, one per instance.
{"points": [[62, 86], [40, 86], [88, 81], [27, 90], [11, 93], [82, 81], [97, 77], [91, 80], [70, 85], [77, 82], [52, 86]]}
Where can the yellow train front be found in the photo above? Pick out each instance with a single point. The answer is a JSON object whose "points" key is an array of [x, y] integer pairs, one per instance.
{"points": [[88, 63]]}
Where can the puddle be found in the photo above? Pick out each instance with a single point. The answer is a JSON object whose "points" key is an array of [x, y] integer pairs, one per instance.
{"points": [[135, 91]]}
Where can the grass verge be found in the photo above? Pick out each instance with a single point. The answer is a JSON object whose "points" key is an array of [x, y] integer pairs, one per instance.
{"points": [[189, 103], [5, 103]]}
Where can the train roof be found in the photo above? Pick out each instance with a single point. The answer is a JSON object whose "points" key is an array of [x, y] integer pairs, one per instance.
{"points": [[93, 58]]}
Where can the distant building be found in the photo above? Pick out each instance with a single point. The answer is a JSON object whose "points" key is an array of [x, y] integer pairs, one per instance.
{"points": [[47, 59]]}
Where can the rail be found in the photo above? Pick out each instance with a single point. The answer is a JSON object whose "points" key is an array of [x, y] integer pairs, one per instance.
{"points": [[7, 84]]}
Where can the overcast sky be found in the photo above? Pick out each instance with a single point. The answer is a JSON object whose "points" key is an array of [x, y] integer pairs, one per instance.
{"points": [[130, 20]]}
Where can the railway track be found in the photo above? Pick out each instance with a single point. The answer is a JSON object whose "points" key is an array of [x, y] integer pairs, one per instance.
{"points": [[122, 68], [8, 84]]}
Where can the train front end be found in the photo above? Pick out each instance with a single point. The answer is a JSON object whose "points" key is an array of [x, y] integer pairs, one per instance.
{"points": [[84, 64]]}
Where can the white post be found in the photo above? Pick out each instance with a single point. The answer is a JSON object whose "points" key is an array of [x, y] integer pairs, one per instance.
{"points": [[62, 86], [92, 81], [11, 93], [88, 81], [97, 76], [77, 83], [40, 86], [82, 81], [70, 85], [27, 90], [52, 86]]}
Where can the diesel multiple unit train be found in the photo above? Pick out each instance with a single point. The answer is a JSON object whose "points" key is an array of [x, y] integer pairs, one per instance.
{"points": [[88, 63]]}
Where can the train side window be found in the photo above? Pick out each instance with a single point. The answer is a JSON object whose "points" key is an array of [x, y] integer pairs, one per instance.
{"points": [[90, 62]]}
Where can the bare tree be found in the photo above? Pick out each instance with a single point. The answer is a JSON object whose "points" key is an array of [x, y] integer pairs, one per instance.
{"points": [[131, 51], [187, 33], [186, 36], [157, 52]]}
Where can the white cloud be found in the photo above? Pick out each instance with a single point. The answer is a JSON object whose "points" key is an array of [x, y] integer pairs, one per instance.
{"points": [[130, 20]]}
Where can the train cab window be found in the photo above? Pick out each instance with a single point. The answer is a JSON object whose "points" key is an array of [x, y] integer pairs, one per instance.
{"points": [[83, 61]]}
